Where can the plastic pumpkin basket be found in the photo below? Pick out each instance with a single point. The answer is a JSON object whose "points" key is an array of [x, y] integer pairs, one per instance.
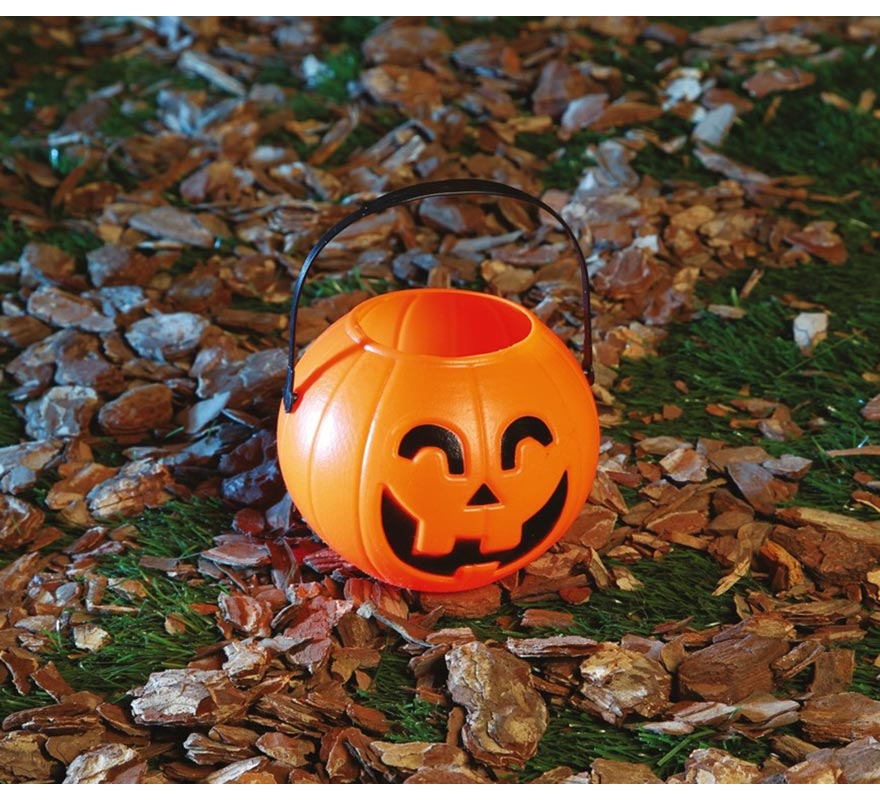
{"points": [[438, 439]]}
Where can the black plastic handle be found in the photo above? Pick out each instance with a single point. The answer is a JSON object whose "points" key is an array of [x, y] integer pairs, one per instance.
{"points": [[420, 191]]}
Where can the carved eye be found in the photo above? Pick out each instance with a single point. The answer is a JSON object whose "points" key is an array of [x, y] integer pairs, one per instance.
{"points": [[522, 428], [434, 436]]}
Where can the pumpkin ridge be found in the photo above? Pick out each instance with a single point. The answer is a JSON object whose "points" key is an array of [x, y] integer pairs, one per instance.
{"points": [[360, 475], [315, 524]]}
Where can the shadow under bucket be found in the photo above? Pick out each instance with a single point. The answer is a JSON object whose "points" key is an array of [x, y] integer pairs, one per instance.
{"points": [[438, 439]]}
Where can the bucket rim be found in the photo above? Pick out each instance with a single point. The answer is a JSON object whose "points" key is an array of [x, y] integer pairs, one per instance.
{"points": [[357, 332]]}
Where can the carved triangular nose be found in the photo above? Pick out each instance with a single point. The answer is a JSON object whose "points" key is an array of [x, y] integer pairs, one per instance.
{"points": [[484, 496]]}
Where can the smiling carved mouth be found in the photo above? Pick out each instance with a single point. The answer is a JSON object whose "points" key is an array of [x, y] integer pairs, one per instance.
{"points": [[400, 530]]}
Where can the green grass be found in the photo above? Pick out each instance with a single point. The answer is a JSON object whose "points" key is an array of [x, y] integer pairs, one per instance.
{"points": [[393, 693], [139, 642], [720, 359], [575, 738], [10, 424]]}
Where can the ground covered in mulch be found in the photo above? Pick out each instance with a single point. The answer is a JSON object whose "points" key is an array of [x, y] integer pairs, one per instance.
{"points": [[712, 615]]}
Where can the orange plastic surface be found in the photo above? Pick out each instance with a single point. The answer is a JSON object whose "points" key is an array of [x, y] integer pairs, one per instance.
{"points": [[441, 439]]}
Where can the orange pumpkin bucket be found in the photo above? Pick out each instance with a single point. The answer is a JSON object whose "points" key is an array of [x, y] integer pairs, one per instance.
{"points": [[438, 439]]}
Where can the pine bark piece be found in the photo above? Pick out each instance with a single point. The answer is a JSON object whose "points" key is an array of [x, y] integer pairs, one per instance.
{"points": [[137, 411], [506, 717], [22, 759], [858, 762], [552, 646], [715, 126], [246, 662], [871, 409], [868, 533], [472, 604], [626, 112], [166, 336], [115, 265], [454, 774], [840, 717], [581, 113], [247, 614], [138, 485], [20, 664], [833, 672], [68, 496], [110, 763], [66, 310], [21, 464], [234, 773], [188, 697], [288, 750], [413, 756], [593, 527], [168, 222], [23, 331], [50, 681], [786, 79], [757, 485], [405, 45], [62, 411], [606, 770], [74, 716], [19, 522], [619, 682], [731, 670], [201, 749], [711, 765], [830, 555], [413, 91], [685, 465], [45, 263]]}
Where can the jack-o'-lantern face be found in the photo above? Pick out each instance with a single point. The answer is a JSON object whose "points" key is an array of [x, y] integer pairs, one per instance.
{"points": [[446, 506], [439, 463]]}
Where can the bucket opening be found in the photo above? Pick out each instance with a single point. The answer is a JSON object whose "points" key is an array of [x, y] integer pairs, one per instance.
{"points": [[449, 324]]}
